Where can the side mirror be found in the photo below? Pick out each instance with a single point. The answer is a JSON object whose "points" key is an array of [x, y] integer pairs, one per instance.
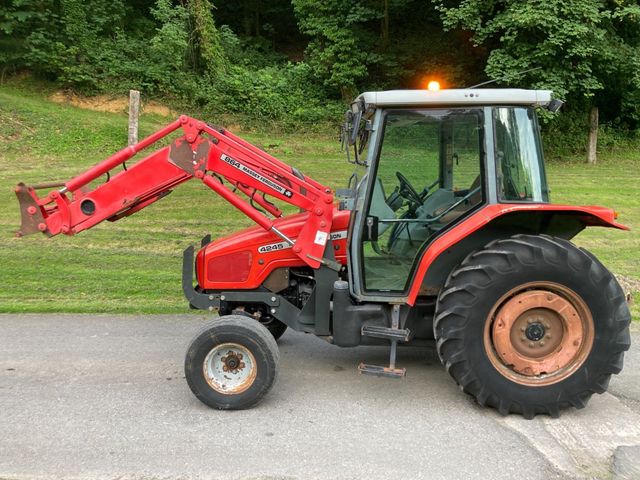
{"points": [[555, 105], [355, 126]]}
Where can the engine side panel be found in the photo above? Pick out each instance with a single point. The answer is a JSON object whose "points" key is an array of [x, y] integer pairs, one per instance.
{"points": [[245, 259]]}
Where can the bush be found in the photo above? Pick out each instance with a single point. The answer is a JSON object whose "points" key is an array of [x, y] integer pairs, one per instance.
{"points": [[284, 94], [566, 135]]}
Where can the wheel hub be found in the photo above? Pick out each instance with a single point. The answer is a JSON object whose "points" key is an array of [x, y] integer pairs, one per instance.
{"points": [[535, 331], [230, 368], [232, 362], [539, 336]]}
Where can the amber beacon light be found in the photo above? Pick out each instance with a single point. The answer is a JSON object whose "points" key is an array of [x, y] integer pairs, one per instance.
{"points": [[433, 86]]}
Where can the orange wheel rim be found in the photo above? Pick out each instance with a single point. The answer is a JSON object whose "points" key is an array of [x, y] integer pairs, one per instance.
{"points": [[539, 333]]}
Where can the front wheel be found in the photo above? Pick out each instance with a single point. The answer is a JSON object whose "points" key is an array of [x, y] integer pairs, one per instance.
{"points": [[532, 324], [231, 363]]}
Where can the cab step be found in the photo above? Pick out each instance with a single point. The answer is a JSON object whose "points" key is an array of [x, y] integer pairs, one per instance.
{"points": [[394, 335], [377, 331], [380, 371]]}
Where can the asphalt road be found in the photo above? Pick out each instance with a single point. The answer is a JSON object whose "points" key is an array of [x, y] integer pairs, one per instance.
{"points": [[103, 397]]}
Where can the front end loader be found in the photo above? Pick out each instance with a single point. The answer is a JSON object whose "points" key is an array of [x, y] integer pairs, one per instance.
{"points": [[449, 237]]}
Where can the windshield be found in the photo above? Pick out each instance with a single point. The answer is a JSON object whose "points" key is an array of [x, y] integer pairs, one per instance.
{"points": [[519, 159]]}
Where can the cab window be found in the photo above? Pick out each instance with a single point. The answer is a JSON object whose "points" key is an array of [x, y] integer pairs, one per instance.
{"points": [[520, 165]]}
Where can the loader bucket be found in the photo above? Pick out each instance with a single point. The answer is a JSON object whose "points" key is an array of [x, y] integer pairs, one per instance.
{"points": [[32, 217]]}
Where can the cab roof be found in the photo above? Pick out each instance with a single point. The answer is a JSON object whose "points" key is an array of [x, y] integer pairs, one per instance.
{"points": [[455, 97]]}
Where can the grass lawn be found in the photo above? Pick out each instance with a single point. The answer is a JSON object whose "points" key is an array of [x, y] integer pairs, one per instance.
{"points": [[134, 265]]}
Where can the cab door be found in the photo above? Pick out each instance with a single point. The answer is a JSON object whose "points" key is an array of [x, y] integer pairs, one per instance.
{"points": [[424, 175]]}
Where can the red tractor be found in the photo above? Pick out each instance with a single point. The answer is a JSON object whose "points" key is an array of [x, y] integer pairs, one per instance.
{"points": [[447, 236]]}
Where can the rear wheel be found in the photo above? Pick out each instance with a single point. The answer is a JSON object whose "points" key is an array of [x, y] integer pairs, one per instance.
{"points": [[532, 324], [231, 363]]}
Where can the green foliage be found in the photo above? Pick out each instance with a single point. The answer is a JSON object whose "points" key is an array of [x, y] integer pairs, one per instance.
{"points": [[207, 56], [281, 60], [284, 93], [340, 50], [578, 47], [66, 43]]}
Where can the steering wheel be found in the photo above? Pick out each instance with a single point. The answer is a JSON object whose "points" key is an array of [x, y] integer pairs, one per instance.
{"points": [[407, 191]]}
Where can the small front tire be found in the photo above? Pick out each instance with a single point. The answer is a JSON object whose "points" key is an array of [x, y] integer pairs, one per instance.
{"points": [[231, 363]]}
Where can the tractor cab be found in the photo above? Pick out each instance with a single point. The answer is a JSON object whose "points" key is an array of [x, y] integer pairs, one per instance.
{"points": [[428, 166]]}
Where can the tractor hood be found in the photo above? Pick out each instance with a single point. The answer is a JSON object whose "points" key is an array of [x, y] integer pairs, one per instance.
{"points": [[243, 260]]}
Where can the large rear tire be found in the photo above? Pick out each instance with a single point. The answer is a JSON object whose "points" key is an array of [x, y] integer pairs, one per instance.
{"points": [[532, 324], [231, 363]]}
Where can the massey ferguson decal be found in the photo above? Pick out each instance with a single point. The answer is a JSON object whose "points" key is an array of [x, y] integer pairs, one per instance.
{"points": [[252, 173], [273, 247]]}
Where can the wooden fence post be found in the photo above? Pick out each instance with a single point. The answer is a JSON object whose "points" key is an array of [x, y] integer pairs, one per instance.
{"points": [[134, 109], [592, 144]]}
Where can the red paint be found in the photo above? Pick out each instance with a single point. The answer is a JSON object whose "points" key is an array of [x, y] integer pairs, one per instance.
{"points": [[241, 164], [590, 215], [251, 240], [233, 267]]}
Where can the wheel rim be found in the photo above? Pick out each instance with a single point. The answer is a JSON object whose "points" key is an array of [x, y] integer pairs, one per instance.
{"points": [[539, 333], [230, 368]]}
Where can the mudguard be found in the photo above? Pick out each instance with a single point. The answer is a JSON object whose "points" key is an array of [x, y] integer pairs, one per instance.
{"points": [[575, 217]]}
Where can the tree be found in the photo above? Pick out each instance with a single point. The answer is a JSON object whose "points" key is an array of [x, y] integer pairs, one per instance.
{"points": [[576, 45], [207, 55], [341, 47]]}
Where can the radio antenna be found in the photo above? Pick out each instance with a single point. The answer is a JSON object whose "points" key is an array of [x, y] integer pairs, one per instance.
{"points": [[488, 82]]}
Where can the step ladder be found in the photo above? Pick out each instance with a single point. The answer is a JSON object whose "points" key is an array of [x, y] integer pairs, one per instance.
{"points": [[394, 334]]}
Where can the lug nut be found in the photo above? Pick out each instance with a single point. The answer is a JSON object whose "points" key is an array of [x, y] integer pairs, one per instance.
{"points": [[522, 329], [530, 344], [542, 343]]}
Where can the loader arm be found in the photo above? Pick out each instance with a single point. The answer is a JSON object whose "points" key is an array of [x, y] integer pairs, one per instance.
{"points": [[207, 153]]}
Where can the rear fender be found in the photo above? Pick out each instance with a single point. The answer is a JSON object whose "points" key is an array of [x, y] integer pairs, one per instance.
{"points": [[500, 221]]}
